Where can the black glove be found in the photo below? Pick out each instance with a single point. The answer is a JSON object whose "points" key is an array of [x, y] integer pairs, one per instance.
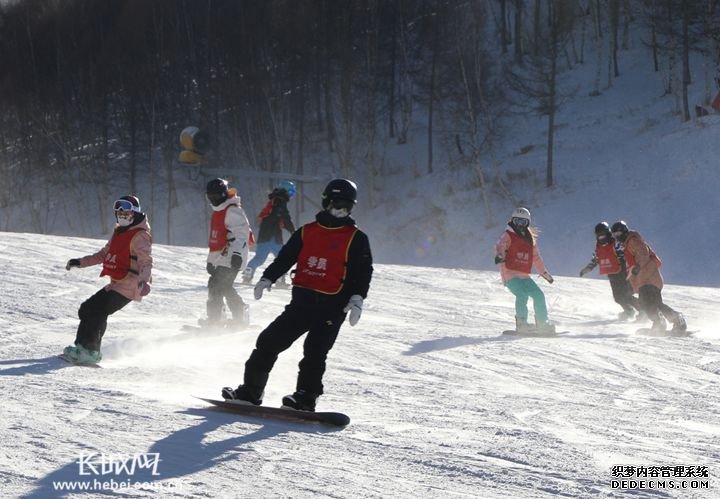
{"points": [[635, 270], [586, 269], [210, 268], [73, 262], [236, 261], [499, 259]]}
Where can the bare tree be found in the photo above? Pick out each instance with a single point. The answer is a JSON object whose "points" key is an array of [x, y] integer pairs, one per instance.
{"points": [[537, 84]]}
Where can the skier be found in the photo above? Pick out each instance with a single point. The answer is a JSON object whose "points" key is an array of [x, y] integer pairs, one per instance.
{"points": [[273, 218], [517, 252], [646, 279], [334, 269], [127, 259], [611, 259], [228, 253]]}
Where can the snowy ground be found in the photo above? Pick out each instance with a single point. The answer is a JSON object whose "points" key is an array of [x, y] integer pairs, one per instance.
{"points": [[441, 405]]}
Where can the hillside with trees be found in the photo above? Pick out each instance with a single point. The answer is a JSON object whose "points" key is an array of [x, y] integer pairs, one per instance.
{"points": [[94, 94]]}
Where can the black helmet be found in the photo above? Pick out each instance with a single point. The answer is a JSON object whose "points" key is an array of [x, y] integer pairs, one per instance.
{"points": [[620, 230], [217, 191], [602, 228], [340, 189], [602, 232]]}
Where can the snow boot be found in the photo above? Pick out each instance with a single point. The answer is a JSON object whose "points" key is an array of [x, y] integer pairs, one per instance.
{"points": [[81, 355], [545, 327], [522, 326], [300, 401], [243, 394], [679, 324], [215, 314], [70, 352]]}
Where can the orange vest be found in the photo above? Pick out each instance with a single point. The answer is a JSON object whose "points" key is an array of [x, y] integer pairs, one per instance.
{"points": [[118, 259], [519, 255], [322, 262], [630, 258], [608, 262], [218, 232]]}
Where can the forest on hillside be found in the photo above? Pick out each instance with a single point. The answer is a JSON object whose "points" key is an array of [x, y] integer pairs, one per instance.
{"points": [[93, 91]]}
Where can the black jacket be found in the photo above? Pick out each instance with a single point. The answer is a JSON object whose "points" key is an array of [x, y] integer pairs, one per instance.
{"points": [[359, 264], [275, 217]]}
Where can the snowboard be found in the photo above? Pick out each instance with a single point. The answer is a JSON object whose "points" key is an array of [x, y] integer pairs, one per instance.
{"points": [[646, 331], [263, 411], [221, 327], [73, 363], [532, 334], [226, 328]]}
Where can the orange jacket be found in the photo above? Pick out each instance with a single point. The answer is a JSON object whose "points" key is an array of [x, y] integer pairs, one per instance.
{"points": [[640, 255]]}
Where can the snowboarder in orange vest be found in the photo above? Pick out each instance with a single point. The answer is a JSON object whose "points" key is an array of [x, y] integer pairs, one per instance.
{"points": [[127, 259], [332, 278], [610, 259], [646, 279], [517, 253], [228, 253]]}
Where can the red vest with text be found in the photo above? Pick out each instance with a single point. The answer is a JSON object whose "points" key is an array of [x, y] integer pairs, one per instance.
{"points": [[218, 232], [519, 254], [118, 259], [608, 262], [322, 262]]}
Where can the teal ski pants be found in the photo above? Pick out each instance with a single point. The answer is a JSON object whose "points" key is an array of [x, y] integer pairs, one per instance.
{"points": [[523, 289]]}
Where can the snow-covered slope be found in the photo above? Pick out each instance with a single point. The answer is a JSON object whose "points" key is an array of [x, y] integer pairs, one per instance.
{"points": [[441, 405]]}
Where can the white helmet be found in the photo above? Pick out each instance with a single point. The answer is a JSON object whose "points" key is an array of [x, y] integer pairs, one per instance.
{"points": [[521, 213]]}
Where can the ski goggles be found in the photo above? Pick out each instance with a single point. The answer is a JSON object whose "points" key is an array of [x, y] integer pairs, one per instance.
{"points": [[520, 222], [124, 205]]}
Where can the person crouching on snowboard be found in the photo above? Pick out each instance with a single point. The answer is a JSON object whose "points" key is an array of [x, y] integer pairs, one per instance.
{"points": [[646, 279], [332, 277], [228, 253], [610, 257], [127, 259], [517, 252]]}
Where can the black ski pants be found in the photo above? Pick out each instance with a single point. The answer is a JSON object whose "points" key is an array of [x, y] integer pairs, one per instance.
{"points": [[321, 322], [622, 292], [93, 315], [652, 303], [221, 287]]}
